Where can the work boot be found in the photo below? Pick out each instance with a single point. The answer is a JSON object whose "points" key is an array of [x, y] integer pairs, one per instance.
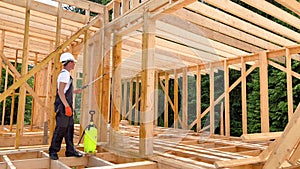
{"points": [[73, 154], [53, 156]]}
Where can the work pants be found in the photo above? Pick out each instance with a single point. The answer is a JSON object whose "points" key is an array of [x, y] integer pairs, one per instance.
{"points": [[58, 135]]}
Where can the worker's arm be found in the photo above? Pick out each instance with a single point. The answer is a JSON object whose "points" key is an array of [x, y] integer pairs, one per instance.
{"points": [[61, 94]]}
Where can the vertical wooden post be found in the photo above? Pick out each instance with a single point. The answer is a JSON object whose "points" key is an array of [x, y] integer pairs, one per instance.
{"points": [[125, 6], [156, 81], [135, 3], [227, 105], [244, 97], [116, 87], [87, 76], [130, 101], [176, 99], [56, 68], [212, 99], [184, 99], [12, 109], [264, 94], [2, 41], [106, 36], [116, 9], [148, 76], [48, 97], [33, 113], [22, 96], [100, 82], [289, 83], [124, 102], [137, 96], [198, 97], [4, 101], [222, 119], [166, 103]]}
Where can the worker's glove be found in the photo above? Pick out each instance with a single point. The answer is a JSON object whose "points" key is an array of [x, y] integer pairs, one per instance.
{"points": [[68, 111]]}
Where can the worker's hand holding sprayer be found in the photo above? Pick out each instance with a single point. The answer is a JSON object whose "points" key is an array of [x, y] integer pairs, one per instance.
{"points": [[68, 109]]}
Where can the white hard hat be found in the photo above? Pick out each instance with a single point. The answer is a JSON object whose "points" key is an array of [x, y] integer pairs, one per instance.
{"points": [[67, 57]]}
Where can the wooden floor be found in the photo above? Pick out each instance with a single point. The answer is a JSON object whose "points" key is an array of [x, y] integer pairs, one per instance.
{"points": [[173, 148]]}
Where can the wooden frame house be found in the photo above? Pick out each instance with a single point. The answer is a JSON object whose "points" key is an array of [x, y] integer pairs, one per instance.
{"points": [[134, 49]]}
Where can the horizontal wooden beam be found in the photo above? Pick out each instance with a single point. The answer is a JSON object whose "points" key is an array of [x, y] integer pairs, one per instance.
{"points": [[48, 9], [83, 4], [261, 136]]}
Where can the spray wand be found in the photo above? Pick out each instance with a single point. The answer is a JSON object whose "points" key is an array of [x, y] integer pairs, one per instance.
{"points": [[85, 86]]}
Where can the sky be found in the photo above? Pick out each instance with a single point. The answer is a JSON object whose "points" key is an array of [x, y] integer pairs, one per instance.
{"points": [[50, 2]]}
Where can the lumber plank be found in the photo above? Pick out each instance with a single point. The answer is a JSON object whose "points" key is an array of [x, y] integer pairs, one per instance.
{"points": [[24, 70], [212, 100], [261, 136], [255, 19], [285, 145], [275, 11], [35, 163], [84, 4], [133, 165], [264, 99], [9, 163], [238, 23], [147, 88], [293, 5], [237, 162]]}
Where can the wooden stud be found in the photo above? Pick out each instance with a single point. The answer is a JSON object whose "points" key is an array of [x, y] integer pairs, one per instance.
{"points": [[125, 6], [212, 100], [156, 98], [12, 110], [222, 119], [166, 105], [130, 101], [116, 88], [33, 116], [198, 97], [244, 97], [55, 71], [176, 116], [124, 102], [2, 41], [86, 104], [24, 70], [116, 82], [116, 9], [264, 101], [289, 83], [184, 99], [105, 108], [148, 76], [227, 103], [4, 101], [137, 98]]}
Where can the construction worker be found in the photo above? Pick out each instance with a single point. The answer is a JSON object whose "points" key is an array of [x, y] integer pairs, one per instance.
{"points": [[64, 111]]}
